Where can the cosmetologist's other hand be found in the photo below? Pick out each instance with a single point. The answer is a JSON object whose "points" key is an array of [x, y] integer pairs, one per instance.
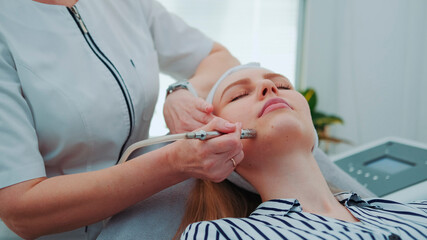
{"points": [[184, 112], [210, 159]]}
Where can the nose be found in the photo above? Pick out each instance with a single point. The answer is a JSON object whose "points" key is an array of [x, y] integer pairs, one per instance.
{"points": [[266, 87]]}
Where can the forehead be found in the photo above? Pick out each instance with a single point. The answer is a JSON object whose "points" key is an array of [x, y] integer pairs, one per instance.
{"points": [[247, 73], [252, 74]]}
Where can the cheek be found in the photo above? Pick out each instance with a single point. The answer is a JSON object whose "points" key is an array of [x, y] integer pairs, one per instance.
{"points": [[238, 112], [232, 116], [305, 110], [302, 103]]}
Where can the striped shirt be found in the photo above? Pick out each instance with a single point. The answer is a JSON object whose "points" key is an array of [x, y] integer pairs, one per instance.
{"points": [[285, 219]]}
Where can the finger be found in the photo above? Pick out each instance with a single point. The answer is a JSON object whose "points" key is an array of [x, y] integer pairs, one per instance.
{"points": [[221, 125], [239, 157], [204, 106], [238, 130], [202, 117], [190, 125], [229, 144], [209, 108], [192, 120], [233, 163]]}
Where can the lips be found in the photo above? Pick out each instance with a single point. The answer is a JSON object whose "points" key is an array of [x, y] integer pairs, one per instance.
{"points": [[273, 104]]}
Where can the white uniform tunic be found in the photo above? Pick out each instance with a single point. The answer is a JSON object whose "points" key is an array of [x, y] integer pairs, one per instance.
{"points": [[71, 101]]}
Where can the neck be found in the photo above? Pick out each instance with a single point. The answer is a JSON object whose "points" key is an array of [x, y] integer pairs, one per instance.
{"points": [[67, 3], [297, 175]]}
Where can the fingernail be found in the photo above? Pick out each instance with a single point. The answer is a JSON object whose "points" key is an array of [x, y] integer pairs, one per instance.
{"points": [[229, 125]]}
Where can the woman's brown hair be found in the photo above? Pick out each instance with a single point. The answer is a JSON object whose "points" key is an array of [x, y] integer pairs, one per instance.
{"points": [[210, 201]]}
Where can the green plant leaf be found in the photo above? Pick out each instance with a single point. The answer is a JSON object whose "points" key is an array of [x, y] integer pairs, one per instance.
{"points": [[328, 120], [311, 97], [321, 121], [334, 140]]}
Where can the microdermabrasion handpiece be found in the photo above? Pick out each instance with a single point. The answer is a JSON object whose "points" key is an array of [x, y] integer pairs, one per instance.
{"points": [[248, 133], [203, 135]]}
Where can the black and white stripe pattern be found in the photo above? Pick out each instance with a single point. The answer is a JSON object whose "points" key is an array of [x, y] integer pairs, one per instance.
{"points": [[284, 219]]}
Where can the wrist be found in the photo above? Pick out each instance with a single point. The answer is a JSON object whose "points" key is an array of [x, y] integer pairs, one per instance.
{"points": [[160, 164], [174, 159], [181, 85]]}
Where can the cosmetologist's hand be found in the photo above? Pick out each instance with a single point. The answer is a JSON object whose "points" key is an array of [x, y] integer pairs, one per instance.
{"points": [[184, 112], [210, 159]]}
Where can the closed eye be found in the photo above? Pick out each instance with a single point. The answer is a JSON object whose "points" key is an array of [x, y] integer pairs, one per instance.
{"points": [[240, 95], [284, 86]]}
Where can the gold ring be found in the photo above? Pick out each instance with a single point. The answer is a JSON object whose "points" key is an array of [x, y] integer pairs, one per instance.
{"points": [[233, 161]]}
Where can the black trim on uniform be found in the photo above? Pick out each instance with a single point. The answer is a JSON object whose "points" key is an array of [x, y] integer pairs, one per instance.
{"points": [[113, 70]]}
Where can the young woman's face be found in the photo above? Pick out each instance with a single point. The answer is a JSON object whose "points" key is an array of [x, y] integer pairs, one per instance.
{"points": [[268, 103]]}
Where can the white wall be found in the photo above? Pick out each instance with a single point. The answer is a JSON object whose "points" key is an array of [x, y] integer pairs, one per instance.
{"points": [[367, 59]]}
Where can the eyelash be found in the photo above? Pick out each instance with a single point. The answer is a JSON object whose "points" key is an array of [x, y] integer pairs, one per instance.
{"points": [[242, 94], [245, 93], [283, 86]]}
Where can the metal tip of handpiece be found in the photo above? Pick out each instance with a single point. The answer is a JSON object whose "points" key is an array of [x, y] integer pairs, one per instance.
{"points": [[248, 133]]}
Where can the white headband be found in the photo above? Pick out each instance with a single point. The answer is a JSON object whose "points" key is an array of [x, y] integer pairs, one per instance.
{"points": [[234, 177], [237, 68]]}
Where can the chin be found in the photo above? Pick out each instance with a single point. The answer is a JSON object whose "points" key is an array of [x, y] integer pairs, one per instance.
{"points": [[284, 131]]}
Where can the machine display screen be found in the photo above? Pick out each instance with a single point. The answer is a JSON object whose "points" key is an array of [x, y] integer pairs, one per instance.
{"points": [[389, 165]]}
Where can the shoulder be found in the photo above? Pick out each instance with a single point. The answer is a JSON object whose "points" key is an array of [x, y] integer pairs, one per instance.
{"points": [[414, 212], [388, 204], [421, 205], [410, 211]]}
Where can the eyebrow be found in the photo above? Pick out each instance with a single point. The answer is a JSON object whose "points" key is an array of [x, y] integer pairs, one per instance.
{"points": [[238, 82], [274, 75], [245, 81]]}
